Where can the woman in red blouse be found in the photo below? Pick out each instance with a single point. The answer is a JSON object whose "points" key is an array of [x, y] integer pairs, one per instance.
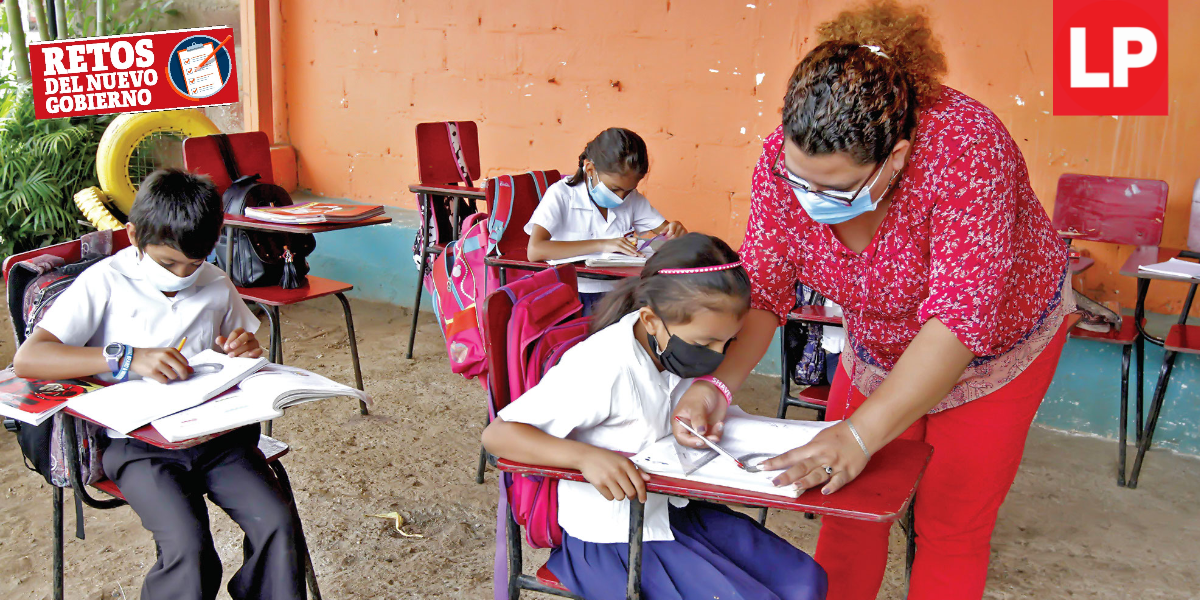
{"points": [[909, 204]]}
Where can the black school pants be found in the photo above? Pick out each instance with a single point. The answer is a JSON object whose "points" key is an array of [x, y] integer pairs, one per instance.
{"points": [[167, 487]]}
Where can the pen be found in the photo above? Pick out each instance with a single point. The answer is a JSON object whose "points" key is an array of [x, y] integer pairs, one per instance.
{"points": [[214, 52], [179, 348], [710, 443]]}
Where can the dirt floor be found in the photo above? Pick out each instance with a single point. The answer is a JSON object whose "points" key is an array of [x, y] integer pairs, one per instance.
{"points": [[1067, 531]]}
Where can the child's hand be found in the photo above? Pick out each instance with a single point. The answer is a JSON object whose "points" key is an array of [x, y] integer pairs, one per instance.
{"points": [[626, 246], [240, 343], [613, 475], [674, 229], [160, 364]]}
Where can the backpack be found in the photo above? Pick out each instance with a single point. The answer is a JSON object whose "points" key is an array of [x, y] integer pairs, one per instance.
{"points": [[437, 219], [457, 279], [809, 356], [260, 258], [502, 203], [33, 286]]}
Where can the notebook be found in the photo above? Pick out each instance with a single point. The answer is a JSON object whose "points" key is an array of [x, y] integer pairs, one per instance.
{"points": [[749, 437], [314, 212], [261, 396], [603, 259], [128, 405], [33, 401], [1176, 267]]}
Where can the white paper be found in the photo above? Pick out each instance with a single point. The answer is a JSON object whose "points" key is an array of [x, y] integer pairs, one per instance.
{"points": [[201, 81], [131, 404], [745, 435], [1176, 267], [599, 258]]}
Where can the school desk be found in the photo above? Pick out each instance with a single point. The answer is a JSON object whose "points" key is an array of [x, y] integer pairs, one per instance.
{"points": [[520, 262], [882, 493], [271, 298], [1181, 338]]}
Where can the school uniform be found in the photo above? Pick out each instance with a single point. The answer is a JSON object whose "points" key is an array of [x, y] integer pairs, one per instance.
{"points": [[569, 214], [112, 301], [607, 392]]}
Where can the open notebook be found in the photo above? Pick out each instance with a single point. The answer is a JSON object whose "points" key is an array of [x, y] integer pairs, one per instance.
{"points": [[128, 405], [746, 436], [602, 259], [261, 396]]}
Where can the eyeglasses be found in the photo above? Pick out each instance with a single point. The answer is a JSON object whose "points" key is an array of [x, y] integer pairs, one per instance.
{"points": [[840, 197]]}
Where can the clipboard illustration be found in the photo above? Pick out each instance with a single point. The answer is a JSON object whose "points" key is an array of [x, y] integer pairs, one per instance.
{"points": [[200, 81]]}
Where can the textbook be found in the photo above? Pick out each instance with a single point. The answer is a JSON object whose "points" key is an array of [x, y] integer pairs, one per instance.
{"points": [[750, 438], [603, 259], [261, 396], [1174, 267], [314, 212], [33, 401], [128, 405]]}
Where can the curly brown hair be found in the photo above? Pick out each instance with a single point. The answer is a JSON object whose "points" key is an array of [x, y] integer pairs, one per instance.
{"points": [[860, 89]]}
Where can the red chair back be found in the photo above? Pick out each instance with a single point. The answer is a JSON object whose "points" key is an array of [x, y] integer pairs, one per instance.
{"points": [[525, 199], [251, 151], [68, 251], [435, 159], [1115, 210]]}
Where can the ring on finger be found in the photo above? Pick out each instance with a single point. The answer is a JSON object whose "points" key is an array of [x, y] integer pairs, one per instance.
{"points": [[828, 470]]}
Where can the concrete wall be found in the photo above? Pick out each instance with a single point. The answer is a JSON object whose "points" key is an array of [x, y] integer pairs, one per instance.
{"points": [[702, 81]]}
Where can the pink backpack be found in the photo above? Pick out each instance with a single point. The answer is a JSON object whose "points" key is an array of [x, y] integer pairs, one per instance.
{"points": [[457, 280]]}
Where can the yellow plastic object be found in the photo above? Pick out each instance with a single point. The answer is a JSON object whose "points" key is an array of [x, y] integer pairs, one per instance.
{"points": [[123, 136], [91, 203]]}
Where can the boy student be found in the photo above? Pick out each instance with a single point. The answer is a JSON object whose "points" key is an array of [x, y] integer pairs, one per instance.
{"points": [[141, 313]]}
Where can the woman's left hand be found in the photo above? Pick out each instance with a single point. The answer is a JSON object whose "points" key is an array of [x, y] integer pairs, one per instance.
{"points": [[834, 447]]}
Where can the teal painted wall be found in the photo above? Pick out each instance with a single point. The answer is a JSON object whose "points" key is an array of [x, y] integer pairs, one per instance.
{"points": [[1082, 398]]}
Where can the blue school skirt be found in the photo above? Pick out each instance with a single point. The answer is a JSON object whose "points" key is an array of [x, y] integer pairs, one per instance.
{"points": [[717, 553]]}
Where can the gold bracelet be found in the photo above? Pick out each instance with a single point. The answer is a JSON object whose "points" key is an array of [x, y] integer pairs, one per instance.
{"points": [[858, 438]]}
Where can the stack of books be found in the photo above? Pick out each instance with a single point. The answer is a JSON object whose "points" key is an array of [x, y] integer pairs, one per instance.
{"points": [[314, 212]]}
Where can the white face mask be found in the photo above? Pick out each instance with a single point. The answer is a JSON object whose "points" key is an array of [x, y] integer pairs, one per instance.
{"points": [[162, 279]]}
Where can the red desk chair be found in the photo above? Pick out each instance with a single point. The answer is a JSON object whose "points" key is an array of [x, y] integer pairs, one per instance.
{"points": [[527, 193], [815, 397], [1114, 210], [271, 449], [252, 151], [447, 158]]}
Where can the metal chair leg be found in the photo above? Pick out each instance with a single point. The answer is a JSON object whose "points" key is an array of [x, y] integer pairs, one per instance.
{"points": [[424, 229], [271, 330], [1139, 346], [310, 574], [762, 517], [57, 524], [358, 381], [910, 546], [785, 382], [1124, 416], [514, 556], [637, 513], [1156, 403]]}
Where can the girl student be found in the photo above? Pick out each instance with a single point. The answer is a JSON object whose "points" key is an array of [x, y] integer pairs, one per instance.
{"points": [[598, 209], [615, 391]]}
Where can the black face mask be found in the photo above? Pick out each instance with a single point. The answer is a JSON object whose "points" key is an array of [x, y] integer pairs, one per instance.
{"points": [[684, 359]]}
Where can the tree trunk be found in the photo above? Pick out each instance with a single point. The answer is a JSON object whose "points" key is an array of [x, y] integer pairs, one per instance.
{"points": [[39, 13], [100, 6], [60, 14], [16, 33]]}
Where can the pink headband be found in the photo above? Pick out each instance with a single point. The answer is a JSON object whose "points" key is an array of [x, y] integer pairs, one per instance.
{"points": [[693, 270]]}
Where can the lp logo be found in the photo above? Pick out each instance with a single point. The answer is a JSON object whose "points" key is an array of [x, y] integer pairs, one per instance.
{"points": [[1110, 57]]}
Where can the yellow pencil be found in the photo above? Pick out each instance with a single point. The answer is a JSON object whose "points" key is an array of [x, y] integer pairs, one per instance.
{"points": [[179, 348]]}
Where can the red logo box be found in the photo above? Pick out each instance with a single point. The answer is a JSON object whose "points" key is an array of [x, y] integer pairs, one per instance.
{"points": [[1110, 57], [133, 73]]}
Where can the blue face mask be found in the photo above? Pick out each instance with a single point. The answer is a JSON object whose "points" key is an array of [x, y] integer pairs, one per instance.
{"points": [[604, 197], [832, 212]]}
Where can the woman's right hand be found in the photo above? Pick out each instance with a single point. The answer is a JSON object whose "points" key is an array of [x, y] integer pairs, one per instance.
{"points": [[160, 364], [703, 407], [626, 246], [613, 475]]}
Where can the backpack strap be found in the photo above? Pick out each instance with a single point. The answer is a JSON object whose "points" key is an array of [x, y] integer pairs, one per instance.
{"points": [[540, 182], [502, 210], [227, 157], [456, 151]]}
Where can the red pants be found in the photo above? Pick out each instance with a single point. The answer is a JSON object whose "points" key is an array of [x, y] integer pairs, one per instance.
{"points": [[976, 451]]}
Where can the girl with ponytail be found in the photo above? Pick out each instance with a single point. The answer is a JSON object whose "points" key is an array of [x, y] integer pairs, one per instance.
{"points": [[598, 209], [615, 389], [909, 204]]}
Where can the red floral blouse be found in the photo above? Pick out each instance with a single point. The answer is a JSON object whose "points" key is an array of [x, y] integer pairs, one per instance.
{"points": [[964, 240]]}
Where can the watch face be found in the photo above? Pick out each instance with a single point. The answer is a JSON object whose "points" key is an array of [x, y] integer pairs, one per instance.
{"points": [[112, 350]]}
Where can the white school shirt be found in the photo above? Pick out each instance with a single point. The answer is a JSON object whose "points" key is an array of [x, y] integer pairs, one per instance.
{"points": [[569, 214], [113, 302], [605, 392]]}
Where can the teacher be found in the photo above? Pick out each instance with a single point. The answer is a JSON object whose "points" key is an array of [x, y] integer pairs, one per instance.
{"points": [[909, 204]]}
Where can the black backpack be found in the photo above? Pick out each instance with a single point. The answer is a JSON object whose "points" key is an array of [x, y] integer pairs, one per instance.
{"points": [[260, 258]]}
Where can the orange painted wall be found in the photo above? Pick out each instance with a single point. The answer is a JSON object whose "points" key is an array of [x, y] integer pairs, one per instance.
{"points": [[702, 81]]}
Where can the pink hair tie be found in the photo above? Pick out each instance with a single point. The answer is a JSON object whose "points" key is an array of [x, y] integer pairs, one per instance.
{"points": [[692, 270]]}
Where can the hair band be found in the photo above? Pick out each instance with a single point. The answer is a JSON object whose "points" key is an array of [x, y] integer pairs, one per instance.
{"points": [[875, 50], [693, 270]]}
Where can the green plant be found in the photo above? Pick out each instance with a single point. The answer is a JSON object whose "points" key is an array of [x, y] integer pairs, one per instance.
{"points": [[43, 163]]}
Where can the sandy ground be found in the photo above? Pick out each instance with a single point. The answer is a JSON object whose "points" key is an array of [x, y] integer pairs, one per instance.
{"points": [[1067, 531]]}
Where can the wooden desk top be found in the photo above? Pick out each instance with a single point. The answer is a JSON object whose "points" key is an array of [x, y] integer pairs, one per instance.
{"points": [[880, 494], [242, 222], [520, 262], [1148, 255], [447, 190]]}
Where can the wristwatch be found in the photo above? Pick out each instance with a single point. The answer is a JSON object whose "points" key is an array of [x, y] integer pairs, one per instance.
{"points": [[113, 354]]}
